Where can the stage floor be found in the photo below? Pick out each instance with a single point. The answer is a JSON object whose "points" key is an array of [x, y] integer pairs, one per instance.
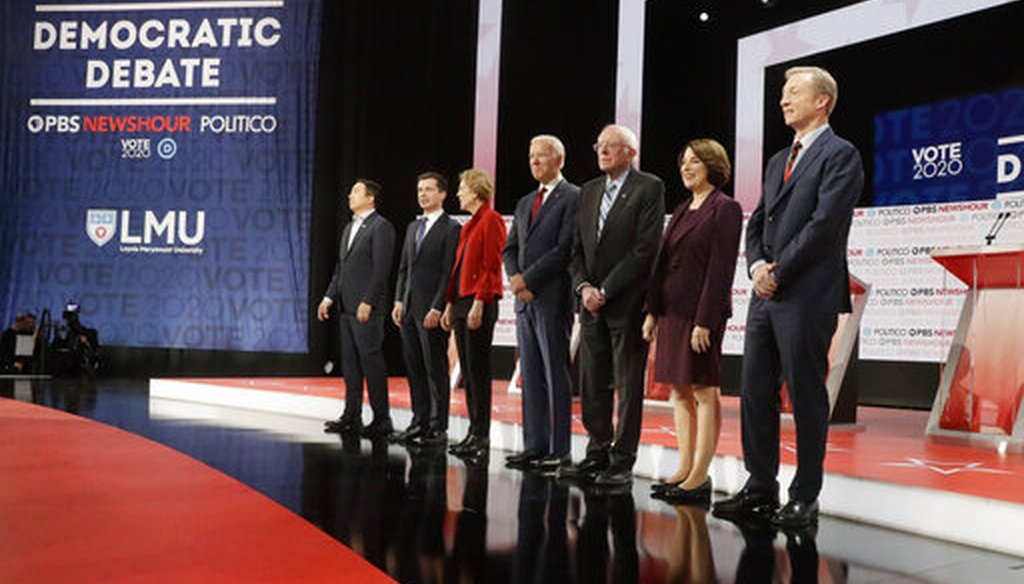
{"points": [[417, 516], [883, 471]]}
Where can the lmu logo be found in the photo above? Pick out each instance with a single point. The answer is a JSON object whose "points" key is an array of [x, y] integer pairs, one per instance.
{"points": [[100, 225], [173, 228]]}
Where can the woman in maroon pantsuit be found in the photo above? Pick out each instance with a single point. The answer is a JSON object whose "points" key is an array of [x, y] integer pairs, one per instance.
{"points": [[689, 300]]}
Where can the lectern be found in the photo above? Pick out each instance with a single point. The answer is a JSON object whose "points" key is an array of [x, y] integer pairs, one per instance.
{"points": [[979, 395]]}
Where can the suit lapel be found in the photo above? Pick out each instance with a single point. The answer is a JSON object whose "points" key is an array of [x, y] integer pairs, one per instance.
{"points": [[548, 203], [364, 227], [810, 157], [344, 239], [701, 215], [442, 219], [625, 191], [590, 204]]}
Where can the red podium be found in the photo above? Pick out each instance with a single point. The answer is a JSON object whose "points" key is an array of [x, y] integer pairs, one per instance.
{"points": [[979, 395]]}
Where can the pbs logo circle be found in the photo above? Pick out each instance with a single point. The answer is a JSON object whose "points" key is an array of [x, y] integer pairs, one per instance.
{"points": [[167, 148]]}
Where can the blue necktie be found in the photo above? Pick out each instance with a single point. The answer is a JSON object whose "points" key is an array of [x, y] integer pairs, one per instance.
{"points": [[607, 200], [420, 232]]}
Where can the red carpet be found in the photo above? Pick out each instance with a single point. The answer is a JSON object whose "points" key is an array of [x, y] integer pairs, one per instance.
{"points": [[84, 502]]}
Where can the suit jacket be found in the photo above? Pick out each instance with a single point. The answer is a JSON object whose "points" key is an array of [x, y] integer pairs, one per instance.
{"points": [[695, 266], [804, 224], [362, 271], [619, 262], [540, 249], [423, 276], [478, 257]]}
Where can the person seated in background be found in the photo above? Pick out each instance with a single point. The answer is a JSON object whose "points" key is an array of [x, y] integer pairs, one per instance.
{"points": [[17, 354], [76, 346]]}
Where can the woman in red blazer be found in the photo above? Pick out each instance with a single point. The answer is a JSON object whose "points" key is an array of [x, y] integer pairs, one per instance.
{"points": [[472, 304], [689, 299]]}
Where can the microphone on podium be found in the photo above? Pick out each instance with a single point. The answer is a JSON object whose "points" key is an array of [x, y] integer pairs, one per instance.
{"points": [[996, 226]]}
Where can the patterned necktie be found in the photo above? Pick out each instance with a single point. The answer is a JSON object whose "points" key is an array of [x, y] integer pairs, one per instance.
{"points": [[538, 201], [607, 199], [420, 232], [792, 160]]}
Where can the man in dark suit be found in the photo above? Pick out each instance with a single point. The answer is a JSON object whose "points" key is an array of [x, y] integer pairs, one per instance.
{"points": [[359, 287], [617, 233], [537, 254], [796, 253], [423, 273]]}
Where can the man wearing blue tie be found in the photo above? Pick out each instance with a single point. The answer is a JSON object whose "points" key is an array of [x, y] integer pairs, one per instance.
{"points": [[537, 253], [423, 273], [796, 253], [618, 230]]}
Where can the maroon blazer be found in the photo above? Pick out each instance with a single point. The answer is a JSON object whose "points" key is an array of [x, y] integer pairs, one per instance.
{"points": [[478, 257], [694, 268]]}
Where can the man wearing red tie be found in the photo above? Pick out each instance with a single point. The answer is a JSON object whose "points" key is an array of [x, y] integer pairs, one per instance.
{"points": [[537, 255], [796, 253]]}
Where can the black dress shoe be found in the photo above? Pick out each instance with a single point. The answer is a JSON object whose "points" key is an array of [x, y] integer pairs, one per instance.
{"points": [[614, 476], [746, 503], [523, 460], [343, 425], [407, 435], [431, 439], [680, 496], [587, 469], [661, 486], [461, 444], [550, 465], [377, 429], [796, 514], [479, 448]]}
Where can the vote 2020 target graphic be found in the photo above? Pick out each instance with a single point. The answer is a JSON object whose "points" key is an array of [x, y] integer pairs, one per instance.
{"points": [[156, 168]]}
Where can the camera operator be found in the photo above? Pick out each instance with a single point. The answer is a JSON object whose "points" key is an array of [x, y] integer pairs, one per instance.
{"points": [[76, 346]]}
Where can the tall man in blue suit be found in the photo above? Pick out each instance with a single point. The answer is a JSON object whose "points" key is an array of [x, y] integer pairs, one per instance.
{"points": [[423, 273], [360, 289], [537, 254], [796, 252]]}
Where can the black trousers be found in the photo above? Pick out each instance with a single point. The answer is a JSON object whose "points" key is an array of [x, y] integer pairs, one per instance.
{"points": [[612, 359], [475, 361], [426, 364], [785, 342], [362, 358]]}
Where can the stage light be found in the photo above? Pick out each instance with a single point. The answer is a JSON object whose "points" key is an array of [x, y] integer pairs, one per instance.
{"points": [[704, 17]]}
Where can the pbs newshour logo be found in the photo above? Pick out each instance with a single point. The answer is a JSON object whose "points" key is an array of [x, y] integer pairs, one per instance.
{"points": [[174, 232]]}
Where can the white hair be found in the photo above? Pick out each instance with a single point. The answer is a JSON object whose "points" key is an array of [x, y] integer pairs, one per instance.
{"points": [[627, 135], [553, 142]]}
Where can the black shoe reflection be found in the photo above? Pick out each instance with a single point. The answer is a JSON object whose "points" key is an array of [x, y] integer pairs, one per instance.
{"points": [[592, 552], [469, 556]]}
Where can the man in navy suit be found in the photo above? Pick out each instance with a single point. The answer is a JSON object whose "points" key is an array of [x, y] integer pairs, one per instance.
{"points": [[796, 253], [359, 288], [423, 273], [537, 253]]}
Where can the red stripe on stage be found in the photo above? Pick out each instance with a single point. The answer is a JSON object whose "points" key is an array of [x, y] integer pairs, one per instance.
{"points": [[84, 502]]}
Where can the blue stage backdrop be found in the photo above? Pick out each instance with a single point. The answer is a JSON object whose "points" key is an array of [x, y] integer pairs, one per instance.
{"points": [[156, 168], [956, 150]]}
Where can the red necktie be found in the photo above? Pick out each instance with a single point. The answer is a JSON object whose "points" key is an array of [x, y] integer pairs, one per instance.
{"points": [[537, 202], [792, 160]]}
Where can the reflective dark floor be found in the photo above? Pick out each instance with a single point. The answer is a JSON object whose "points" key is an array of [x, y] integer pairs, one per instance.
{"points": [[428, 517]]}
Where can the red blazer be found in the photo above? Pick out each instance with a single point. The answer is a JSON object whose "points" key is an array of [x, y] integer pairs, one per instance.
{"points": [[478, 257]]}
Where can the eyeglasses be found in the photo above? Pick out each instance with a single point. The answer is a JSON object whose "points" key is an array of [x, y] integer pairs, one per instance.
{"points": [[599, 146]]}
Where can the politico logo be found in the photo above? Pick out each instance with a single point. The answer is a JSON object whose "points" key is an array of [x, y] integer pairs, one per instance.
{"points": [[176, 231]]}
